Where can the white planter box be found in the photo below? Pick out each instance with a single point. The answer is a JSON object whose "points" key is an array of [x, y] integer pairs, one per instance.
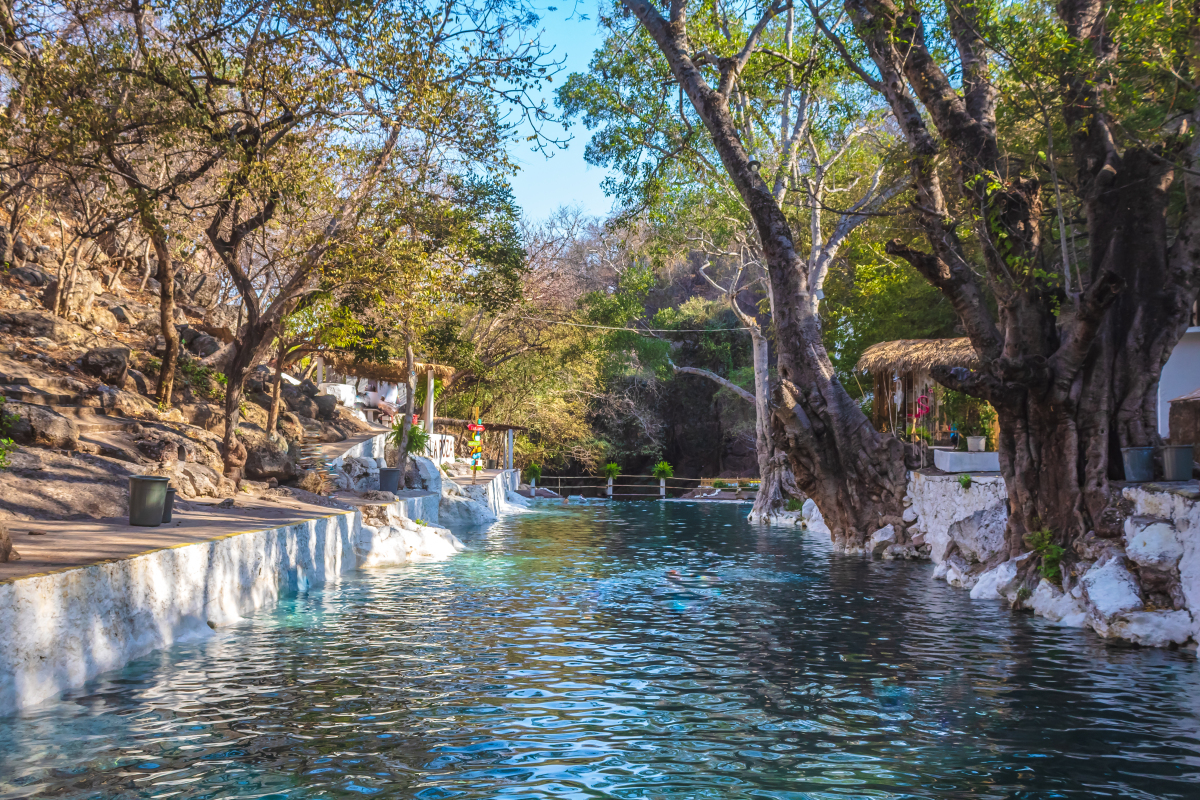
{"points": [[958, 461]]}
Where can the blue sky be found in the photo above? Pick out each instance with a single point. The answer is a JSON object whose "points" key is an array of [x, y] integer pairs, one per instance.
{"points": [[544, 185]]}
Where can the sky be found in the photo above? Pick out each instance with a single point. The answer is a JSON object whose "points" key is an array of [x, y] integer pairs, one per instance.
{"points": [[543, 185]]}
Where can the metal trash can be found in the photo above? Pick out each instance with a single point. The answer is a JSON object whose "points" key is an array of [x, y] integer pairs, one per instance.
{"points": [[1177, 462], [147, 496], [1139, 464], [389, 479]]}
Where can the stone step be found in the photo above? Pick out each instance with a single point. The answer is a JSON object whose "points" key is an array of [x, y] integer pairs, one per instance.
{"points": [[24, 393]]}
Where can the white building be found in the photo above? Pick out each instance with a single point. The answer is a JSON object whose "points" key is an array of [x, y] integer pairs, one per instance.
{"points": [[1181, 373]]}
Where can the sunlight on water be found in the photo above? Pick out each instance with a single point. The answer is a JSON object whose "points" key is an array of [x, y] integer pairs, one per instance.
{"points": [[635, 651]]}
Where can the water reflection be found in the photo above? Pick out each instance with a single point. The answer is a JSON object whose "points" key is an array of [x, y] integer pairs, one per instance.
{"points": [[639, 651]]}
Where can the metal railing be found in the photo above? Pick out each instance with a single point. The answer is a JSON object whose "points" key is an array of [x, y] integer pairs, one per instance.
{"points": [[630, 487]]}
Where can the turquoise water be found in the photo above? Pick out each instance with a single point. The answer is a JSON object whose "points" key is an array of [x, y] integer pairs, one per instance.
{"points": [[562, 658]]}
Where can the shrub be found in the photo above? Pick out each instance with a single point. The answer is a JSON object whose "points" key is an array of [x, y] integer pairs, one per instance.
{"points": [[663, 470], [793, 504], [1042, 543], [611, 470], [964, 481], [418, 438], [533, 472], [719, 484]]}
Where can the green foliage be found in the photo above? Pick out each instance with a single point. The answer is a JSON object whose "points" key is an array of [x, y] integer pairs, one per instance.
{"points": [[7, 445], [418, 437], [612, 470], [1042, 543], [419, 521], [793, 504], [205, 381], [964, 481], [662, 470], [720, 484], [533, 472]]}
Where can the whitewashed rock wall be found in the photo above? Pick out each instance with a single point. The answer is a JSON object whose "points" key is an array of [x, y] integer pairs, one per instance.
{"points": [[936, 503]]}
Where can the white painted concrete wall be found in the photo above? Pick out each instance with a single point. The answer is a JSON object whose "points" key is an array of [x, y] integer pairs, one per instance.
{"points": [[1180, 375]]}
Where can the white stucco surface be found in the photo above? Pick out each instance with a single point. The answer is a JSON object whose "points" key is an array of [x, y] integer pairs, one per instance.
{"points": [[1180, 375]]}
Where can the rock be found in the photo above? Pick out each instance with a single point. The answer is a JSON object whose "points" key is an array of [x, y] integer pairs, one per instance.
{"points": [[1149, 628], [881, 539], [22, 249], [82, 291], [198, 480], [187, 334], [308, 388], [299, 402], [204, 415], [227, 503], [457, 510], [265, 459], [994, 584], [981, 535], [910, 514], [126, 404], [1110, 589], [7, 553], [918, 539], [41, 425], [137, 383], [429, 475], [102, 318], [204, 345], [377, 496], [326, 406], [202, 288], [1151, 542], [34, 323], [1055, 605], [362, 474], [150, 325], [125, 315], [162, 450], [44, 343], [30, 276], [50, 484], [109, 364]]}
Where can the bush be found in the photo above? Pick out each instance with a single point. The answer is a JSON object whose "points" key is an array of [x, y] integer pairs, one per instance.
{"points": [[719, 484], [663, 470], [1042, 543], [611, 470], [794, 505]]}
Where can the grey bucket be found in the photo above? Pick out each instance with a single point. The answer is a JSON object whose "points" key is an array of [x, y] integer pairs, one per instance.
{"points": [[1177, 462], [389, 479], [1139, 464], [147, 496], [168, 504]]}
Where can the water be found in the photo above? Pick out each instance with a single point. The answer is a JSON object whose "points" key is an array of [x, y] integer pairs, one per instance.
{"points": [[560, 659]]}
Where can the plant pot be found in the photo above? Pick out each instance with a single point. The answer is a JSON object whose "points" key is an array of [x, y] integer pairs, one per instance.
{"points": [[147, 496], [1139, 464], [168, 505], [389, 479], [976, 444], [1177, 462]]}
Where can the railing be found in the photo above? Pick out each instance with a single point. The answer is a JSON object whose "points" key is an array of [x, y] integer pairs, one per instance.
{"points": [[642, 486]]}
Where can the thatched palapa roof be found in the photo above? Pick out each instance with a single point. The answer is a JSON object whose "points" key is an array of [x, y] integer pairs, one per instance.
{"points": [[917, 355], [392, 371]]}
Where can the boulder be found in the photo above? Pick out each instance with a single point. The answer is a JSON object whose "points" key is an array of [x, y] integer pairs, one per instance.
{"points": [[881, 539], [22, 249], [429, 475], [266, 459], [981, 535], [1151, 542], [126, 404], [308, 388], [34, 323], [1057, 606], [137, 383], [150, 325], [30, 276], [83, 290], [360, 474], [994, 584], [459, 511], [7, 553], [49, 484], [1110, 589], [41, 425], [102, 318], [109, 364], [326, 406], [125, 314], [298, 402], [204, 345], [162, 450], [1149, 628]]}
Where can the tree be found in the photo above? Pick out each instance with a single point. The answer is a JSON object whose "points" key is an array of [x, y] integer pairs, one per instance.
{"points": [[856, 475], [988, 98]]}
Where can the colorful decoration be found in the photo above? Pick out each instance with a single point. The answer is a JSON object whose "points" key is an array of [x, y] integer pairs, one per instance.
{"points": [[476, 430]]}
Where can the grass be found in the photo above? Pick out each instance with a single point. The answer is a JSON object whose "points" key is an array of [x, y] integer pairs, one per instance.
{"points": [[793, 504]]}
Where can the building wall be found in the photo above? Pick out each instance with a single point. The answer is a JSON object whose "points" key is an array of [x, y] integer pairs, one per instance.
{"points": [[1180, 375]]}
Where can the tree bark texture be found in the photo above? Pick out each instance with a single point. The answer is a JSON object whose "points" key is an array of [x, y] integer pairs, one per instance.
{"points": [[856, 475], [1071, 367], [277, 387], [166, 315]]}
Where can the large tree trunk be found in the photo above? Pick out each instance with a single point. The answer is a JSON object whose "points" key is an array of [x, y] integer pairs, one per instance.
{"points": [[856, 475], [166, 309]]}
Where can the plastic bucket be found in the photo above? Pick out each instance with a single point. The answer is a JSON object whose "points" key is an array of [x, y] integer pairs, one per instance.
{"points": [[168, 505], [147, 496], [1139, 464], [389, 479], [1177, 462]]}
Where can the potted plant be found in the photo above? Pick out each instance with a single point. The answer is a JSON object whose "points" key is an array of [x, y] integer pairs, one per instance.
{"points": [[533, 473], [662, 470], [611, 471], [391, 478], [975, 437]]}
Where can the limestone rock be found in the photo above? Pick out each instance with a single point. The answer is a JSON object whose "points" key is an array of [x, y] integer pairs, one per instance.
{"points": [[198, 480], [308, 388], [1111, 589], [910, 514], [1057, 606], [1151, 542], [125, 314], [41, 425], [981, 535], [126, 404], [99, 317], [49, 484], [34, 323], [1149, 628], [109, 364], [994, 584], [428, 474], [460, 511], [30, 276], [265, 459], [137, 383], [881, 539]]}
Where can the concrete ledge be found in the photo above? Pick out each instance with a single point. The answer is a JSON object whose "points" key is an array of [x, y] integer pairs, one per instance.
{"points": [[959, 461]]}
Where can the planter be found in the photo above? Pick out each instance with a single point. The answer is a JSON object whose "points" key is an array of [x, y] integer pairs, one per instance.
{"points": [[147, 496], [1177, 462], [389, 479], [168, 505], [976, 444], [1139, 464]]}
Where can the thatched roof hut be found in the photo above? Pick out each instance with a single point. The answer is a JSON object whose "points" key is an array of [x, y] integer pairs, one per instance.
{"points": [[917, 355], [905, 397], [390, 371]]}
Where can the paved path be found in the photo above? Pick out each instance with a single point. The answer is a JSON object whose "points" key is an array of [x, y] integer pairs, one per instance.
{"points": [[66, 544]]}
